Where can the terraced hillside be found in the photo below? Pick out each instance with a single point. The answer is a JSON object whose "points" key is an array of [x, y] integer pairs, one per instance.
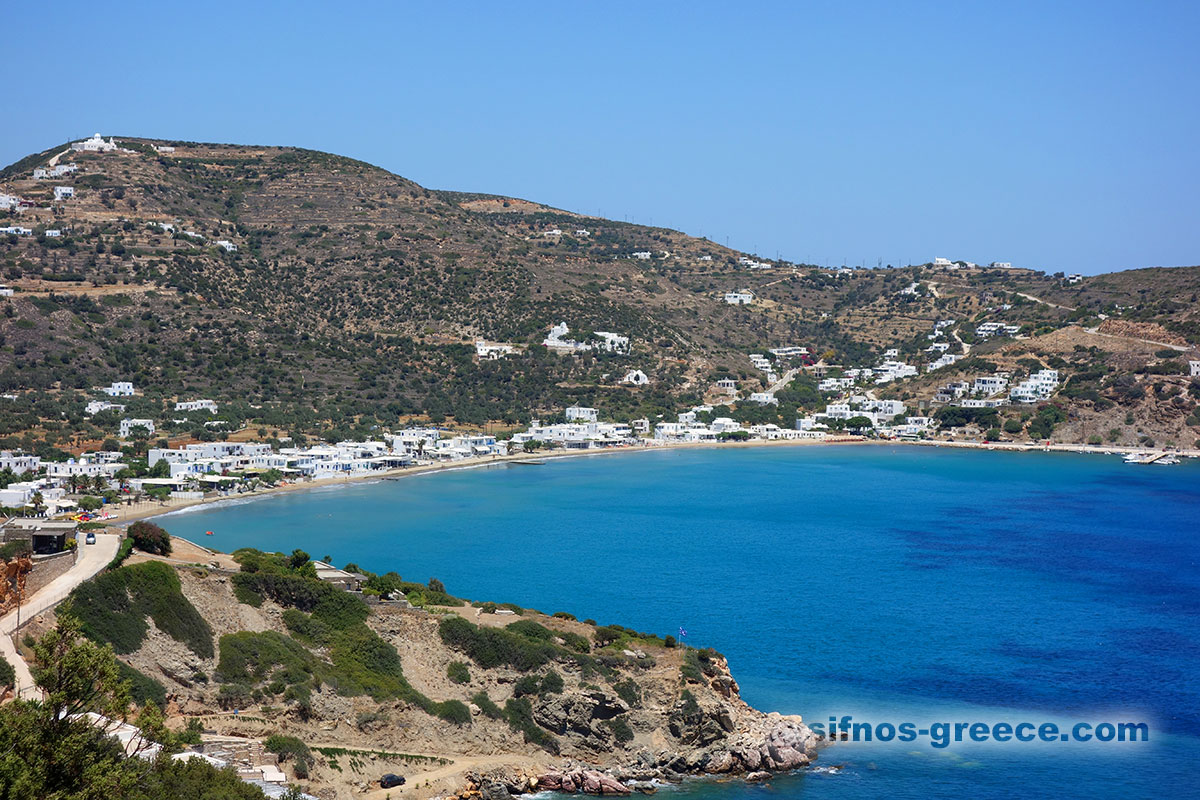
{"points": [[347, 297]]}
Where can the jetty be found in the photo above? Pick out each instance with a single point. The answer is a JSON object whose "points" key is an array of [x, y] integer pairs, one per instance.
{"points": [[1148, 458]]}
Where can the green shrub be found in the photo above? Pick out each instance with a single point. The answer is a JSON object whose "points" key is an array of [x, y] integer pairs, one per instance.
{"points": [[519, 713], [150, 538], [629, 691], [113, 608], [486, 705], [249, 657], [333, 606], [246, 596], [142, 688], [289, 747], [235, 696], [552, 683], [669, 641], [527, 684], [578, 643], [494, 647], [458, 672], [531, 630], [123, 552], [307, 628], [8, 676], [620, 728], [18, 549], [564, 615]]}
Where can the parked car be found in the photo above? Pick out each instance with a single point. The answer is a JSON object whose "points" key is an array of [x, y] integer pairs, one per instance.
{"points": [[90, 538], [390, 780]]}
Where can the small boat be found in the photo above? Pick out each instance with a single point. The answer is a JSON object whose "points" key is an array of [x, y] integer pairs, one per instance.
{"points": [[208, 533], [1168, 460], [528, 462]]}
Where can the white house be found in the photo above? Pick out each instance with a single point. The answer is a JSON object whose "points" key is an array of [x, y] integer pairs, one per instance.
{"points": [[9, 201], [64, 192], [552, 232], [1001, 265], [96, 144], [119, 389], [96, 406], [742, 298], [988, 329], [196, 405], [163, 149], [1195, 368], [227, 246], [988, 385], [763, 399], [19, 462], [613, 342], [17, 230], [41, 174], [642, 255], [728, 385], [129, 425], [5, 291], [488, 351], [945, 360], [1037, 386], [581, 414], [53, 233], [581, 233], [1074, 277], [635, 378]]}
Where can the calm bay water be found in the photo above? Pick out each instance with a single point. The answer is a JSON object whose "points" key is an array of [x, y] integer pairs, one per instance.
{"points": [[887, 583]]}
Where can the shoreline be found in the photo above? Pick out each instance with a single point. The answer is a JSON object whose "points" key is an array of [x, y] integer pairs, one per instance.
{"points": [[153, 509]]}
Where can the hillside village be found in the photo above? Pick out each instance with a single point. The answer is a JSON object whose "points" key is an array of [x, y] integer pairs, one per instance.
{"points": [[171, 296]]}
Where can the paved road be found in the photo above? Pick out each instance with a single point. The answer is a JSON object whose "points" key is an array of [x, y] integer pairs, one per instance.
{"points": [[92, 559]]}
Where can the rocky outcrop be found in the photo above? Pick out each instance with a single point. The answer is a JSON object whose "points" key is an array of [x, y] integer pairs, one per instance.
{"points": [[582, 781], [579, 715]]}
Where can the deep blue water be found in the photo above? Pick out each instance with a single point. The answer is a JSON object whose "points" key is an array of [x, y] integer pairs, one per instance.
{"points": [[891, 584]]}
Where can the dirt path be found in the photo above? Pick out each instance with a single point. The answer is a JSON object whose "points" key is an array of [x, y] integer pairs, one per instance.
{"points": [[92, 559], [1177, 347], [1044, 302], [415, 782]]}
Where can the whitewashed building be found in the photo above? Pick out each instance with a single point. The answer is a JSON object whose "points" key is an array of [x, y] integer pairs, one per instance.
{"points": [[64, 192], [196, 405], [492, 351], [128, 426], [119, 389], [742, 298], [96, 144], [581, 414], [96, 406], [635, 378]]}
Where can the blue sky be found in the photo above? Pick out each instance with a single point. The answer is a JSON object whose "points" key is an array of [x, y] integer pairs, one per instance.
{"points": [[1061, 136]]}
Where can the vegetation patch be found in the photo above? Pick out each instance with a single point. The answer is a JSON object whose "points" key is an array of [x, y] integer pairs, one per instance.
{"points": [[113, 608], [494, 647], [519, 713]]}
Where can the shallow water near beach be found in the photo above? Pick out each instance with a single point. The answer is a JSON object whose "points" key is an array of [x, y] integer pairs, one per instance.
{"points": [[886, 583]]}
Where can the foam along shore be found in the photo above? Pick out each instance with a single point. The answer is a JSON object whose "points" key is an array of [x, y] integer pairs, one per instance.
{"points": [[124, 515]]}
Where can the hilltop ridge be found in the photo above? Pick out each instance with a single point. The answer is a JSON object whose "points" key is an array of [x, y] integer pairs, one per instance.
{"points": [[322, 295]]}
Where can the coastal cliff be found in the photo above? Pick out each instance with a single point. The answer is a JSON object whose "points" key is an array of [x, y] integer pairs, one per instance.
{"points": [[463, 699]]}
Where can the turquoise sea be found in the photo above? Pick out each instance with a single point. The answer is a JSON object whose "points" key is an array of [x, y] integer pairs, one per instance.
{"points": [[886, 583]]}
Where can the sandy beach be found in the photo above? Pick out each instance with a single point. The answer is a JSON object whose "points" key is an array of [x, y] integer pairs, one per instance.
{"points": [[123, 515]]}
